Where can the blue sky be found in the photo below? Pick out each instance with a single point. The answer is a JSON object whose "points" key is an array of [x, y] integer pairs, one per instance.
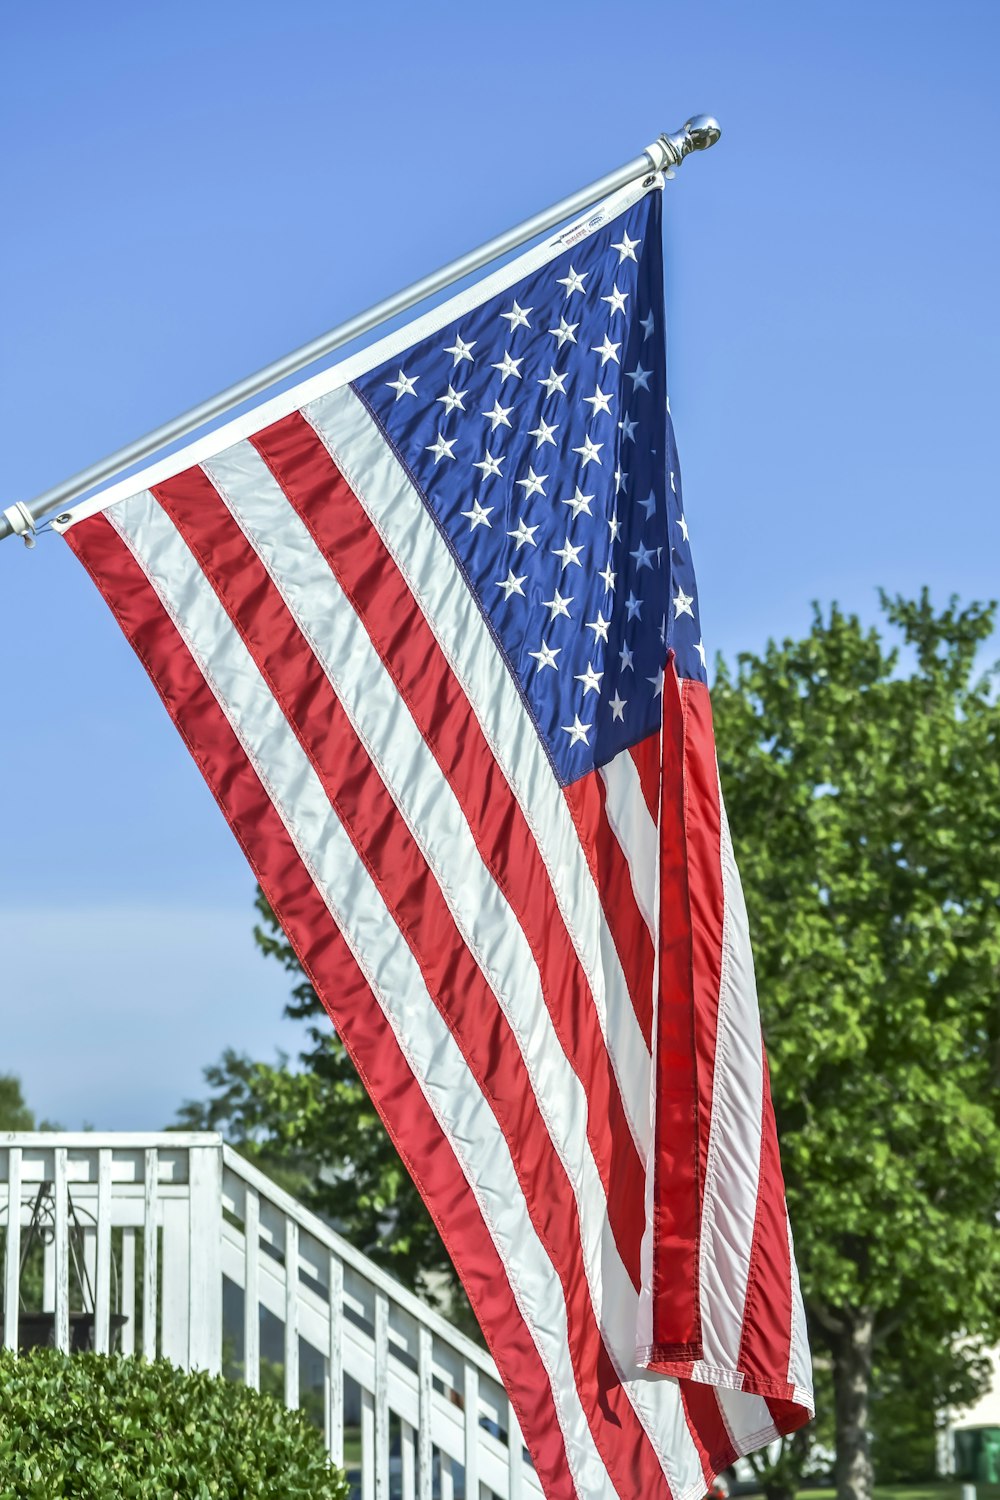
{"points": [[193, 190]]}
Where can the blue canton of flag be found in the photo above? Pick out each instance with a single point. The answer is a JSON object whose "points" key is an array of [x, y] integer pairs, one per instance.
{"points": [[536, 428]]}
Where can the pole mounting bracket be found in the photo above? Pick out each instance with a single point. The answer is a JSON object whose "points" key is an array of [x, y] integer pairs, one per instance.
{"points": [[21, 522]]}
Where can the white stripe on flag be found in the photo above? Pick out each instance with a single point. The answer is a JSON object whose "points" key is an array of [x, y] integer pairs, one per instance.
{"points": [[733, 1159], [747, 1418], [399, 516], [353, 899], [430, 809], [635, 831], [799, 1362]]}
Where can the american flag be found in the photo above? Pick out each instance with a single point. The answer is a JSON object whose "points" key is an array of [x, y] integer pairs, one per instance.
{"points": [[429, 626]]}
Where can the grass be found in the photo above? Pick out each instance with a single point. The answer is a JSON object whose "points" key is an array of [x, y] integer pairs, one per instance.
{"points": [[937, 1489], [352, 1447]]}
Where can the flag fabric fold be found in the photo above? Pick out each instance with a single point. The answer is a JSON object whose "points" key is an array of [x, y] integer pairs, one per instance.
{"points": [[428, 625]]}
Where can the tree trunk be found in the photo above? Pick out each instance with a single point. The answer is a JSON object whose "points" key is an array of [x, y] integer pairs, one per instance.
{"points": [[852, 1375]]}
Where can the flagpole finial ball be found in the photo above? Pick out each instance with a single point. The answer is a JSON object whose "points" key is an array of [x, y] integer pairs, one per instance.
{"points": [[697, 134], [702, 131]]}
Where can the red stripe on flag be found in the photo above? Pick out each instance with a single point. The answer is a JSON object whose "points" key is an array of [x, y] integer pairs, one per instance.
{"points": [[708, 1427], [411, 654], [703, 839], [766, 1339], [646, 755], [587, 799], [676, 1195], [415, 902], [337, 980]]}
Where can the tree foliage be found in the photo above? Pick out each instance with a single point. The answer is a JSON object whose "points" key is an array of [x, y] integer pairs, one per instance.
{"points": [[15, 1113], [863, 785]]}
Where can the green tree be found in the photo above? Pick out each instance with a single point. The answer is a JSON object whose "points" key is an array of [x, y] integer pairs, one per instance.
{"points": [[863, 785], [315, 1130], [14, 1112]]}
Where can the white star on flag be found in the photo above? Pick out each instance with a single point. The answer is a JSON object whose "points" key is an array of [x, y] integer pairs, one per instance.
{"points": [[442, 448], [573, 282], [533, 485], [510, 584], [682, 604], [523, 534], [607, 350], [626, 248], [452, 400], [617, 300], [460, 350], [600, 400], [489, 464], [517, 317], [546, 656], [499, 416], [553, 382], [599, 627], [591, 680], [570, 555], [403, 385], [557, 605], [479, 515], [590, 450], [508, 366], [543, 433], [565, 333], [579, 502], [577, 731]]}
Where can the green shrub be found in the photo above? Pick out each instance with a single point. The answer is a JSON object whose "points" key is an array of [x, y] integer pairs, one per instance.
{"points": [[98, 1427]]}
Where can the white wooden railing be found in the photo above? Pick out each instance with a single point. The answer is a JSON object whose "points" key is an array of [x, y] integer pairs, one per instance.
{"points": [[172, 1245]]}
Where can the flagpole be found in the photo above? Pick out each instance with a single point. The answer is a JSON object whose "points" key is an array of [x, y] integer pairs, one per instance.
{"points": [[666, 152]]}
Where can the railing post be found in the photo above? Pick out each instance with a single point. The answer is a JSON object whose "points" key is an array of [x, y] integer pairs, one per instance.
{"points": [[335, 1363], [12, 1266], [291, 1314], [425, 1455], [205, 1258], [61, 1250], [102, 1291], [150, 1298], [470, 1402], [381, 1396], [126, 1339], [367, 1445], [251, 1290]]}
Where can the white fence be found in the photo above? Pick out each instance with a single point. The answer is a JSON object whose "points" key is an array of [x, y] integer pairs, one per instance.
{"points": [[172, 1245]]}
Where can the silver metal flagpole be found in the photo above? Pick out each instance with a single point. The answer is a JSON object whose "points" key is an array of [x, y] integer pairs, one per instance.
{"points": [[667, 151]]}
